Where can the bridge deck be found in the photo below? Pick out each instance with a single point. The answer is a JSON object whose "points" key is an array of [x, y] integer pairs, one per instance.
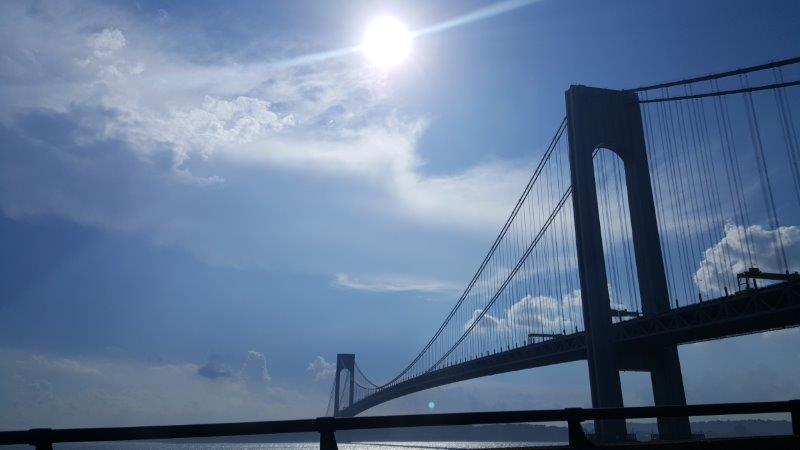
{"points": [[752, 311]]}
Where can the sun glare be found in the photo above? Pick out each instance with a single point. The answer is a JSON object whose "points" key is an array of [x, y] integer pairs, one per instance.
{"points": [[387, 42]]}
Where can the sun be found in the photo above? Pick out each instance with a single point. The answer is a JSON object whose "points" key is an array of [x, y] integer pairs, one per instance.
{"points": [[387, 42]]}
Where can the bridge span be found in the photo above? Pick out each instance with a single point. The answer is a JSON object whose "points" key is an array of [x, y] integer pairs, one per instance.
{"points": [[656, 216], [747, 312]]}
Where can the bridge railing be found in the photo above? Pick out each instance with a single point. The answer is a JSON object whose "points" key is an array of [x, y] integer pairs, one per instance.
{"points": [[44, 438]]}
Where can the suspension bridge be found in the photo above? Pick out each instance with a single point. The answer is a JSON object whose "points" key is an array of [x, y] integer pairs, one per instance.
{"points": [[657, 216]]}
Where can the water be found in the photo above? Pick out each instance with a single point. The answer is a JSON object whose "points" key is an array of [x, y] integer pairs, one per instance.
{"points": [[435, 445]]}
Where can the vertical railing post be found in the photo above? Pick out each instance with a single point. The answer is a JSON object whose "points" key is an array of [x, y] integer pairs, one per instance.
{"points": [[327, 433], [577, 438], [794, 407], [41, 438]]}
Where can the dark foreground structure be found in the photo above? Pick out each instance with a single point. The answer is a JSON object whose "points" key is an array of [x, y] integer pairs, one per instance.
{"points": [[44, 439]]}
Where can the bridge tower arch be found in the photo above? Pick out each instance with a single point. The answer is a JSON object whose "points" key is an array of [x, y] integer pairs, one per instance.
{"points": [[344, 361], [612, 120]]}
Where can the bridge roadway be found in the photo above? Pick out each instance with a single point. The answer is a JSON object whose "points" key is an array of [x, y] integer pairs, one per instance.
{"points": [[746, 312]]}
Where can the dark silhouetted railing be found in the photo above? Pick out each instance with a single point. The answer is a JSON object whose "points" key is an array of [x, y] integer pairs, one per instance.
{"points": [[44, 438]]}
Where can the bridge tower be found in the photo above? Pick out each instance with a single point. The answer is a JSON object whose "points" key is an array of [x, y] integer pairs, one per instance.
{"points": [[602, 118], [344, 361]]}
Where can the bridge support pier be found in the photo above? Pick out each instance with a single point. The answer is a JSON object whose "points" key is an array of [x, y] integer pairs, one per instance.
{"points": [[602, 118], [667, 381], [344, 361]]}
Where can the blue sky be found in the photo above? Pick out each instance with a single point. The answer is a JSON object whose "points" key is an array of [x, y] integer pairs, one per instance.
{"points": [[189, 225]]}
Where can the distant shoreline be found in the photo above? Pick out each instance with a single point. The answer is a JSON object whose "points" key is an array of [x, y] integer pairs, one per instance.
{"points": [[508, 433]]}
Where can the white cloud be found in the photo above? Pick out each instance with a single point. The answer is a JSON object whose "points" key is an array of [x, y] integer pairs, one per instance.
{"points": [[531, 313], [44, 390], [730, 255], [106, 42], [254, 368], [330, 122], [217, 122], [322, 369], [394, 283], [538, 312]]}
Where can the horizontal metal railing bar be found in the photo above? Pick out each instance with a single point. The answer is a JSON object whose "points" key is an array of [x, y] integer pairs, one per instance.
{"points": [[560, 415], [331, 424], [159, 432]]}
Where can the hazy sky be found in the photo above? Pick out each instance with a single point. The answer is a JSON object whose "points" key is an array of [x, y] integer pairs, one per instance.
{"points": [[193, 224]]}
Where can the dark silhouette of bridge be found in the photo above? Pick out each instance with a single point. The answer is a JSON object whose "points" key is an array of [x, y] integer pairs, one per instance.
{"points": [[681, 194]]}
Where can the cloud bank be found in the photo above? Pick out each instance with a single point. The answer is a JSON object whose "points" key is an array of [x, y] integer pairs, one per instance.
{"points": [[44, 390], [107, 127]]}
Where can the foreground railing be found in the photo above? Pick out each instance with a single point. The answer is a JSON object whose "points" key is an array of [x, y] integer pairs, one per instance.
{"points": [[44, 438]]}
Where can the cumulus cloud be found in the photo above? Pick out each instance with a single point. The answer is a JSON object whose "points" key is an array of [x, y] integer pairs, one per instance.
{"points": [[254, 368], [530, 313], [322, 369], [395, 283], [537, 312], [217, 122], [731, 255]]}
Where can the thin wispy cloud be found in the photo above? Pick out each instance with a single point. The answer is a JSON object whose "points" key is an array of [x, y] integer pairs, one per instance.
{"points": [[393, 283]]}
